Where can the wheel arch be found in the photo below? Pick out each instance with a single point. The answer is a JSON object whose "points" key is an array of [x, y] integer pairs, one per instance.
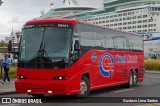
{"points": [[131, 70], [86, 75], [136, 70]]}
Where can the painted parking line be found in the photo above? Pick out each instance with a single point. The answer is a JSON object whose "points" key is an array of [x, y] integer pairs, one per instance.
{"points": [[124, 90], [153, 77]]}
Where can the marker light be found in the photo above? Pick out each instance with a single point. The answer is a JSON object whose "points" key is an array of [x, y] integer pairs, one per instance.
{"points": [[60, 78], [49, 91], [29, 91], [22, 77]]}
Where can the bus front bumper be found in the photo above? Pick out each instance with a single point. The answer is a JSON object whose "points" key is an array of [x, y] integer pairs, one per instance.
{"points": [[57, 87]]}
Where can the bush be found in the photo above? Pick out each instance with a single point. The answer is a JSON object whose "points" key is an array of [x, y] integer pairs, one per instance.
{"points": [[12, 72], [152, 64]]}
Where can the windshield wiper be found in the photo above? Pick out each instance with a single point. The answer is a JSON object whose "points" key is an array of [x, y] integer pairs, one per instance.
{"points": [[41, 55]]}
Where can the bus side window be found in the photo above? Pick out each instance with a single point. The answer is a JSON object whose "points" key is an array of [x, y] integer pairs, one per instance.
{"points": [[109, 42], [119, 42], [128, 43]]}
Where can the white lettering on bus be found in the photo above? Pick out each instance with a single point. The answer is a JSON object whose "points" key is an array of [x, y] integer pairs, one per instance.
{"points": [[120, 59], [28, 26], [63, 25], [132, 59]]}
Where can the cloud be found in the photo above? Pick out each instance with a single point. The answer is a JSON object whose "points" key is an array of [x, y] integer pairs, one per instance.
{"points": [[14, 20], [14, 13], [33, 3]]}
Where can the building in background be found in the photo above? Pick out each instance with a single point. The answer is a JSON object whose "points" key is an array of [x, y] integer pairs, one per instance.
{"points": [[69, 7], [14, 37], [15, 40], [136, 16], [152, 46]]}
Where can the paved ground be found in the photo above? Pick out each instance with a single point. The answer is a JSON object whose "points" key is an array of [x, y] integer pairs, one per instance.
{"points": [[7, 88], [148, 88], [10, 89]]}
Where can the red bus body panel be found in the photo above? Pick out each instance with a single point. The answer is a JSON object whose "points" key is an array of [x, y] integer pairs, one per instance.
{"points": [[41, 80], [94, 64]]}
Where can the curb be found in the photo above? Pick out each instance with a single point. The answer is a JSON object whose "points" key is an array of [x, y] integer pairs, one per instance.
{"points": [[152, 72], [8, 93]]}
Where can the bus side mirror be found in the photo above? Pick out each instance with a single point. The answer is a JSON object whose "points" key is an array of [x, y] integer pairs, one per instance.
{"points": [[76, 46], [16, 53]]}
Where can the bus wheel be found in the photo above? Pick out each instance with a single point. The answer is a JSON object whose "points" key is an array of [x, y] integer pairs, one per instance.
{"points": [[38, 95], [130, 83], [135, 78], [84, 87]]}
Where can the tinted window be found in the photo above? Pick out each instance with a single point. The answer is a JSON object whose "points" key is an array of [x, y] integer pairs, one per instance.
{"points": [[99, 38], [86, 33]]}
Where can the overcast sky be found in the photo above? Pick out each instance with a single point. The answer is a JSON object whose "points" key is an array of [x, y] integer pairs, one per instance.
{"points": [[14, 13]]}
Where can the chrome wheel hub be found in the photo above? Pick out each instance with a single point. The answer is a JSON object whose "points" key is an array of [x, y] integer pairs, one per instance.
{"points": [[130, 79], [83, 87], [135, 78]]}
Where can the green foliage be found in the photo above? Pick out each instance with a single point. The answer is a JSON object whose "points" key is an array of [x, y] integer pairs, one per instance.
{"points": [[3, 43], [12, 72], [152, 65]]}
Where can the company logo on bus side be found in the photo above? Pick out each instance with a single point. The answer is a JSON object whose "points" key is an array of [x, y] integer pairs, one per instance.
{"points": [[126, 59], [132, 59], [107, 65], [107, 62], [94, 57], [120, 59]]}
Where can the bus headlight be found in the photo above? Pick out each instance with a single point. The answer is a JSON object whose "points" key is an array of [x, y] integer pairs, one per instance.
{"points": [[60, 78]]}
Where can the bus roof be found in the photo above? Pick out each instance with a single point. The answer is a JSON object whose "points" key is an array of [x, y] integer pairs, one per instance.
{"points": [[73, 22], [109, 28], [69, 21]]}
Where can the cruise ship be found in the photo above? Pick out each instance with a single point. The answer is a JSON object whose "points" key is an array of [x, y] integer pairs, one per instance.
{"points": [[136, 16], [68, 8]]}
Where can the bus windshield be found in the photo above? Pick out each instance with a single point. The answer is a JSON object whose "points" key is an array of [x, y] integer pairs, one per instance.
{"points": [[55, 41]]}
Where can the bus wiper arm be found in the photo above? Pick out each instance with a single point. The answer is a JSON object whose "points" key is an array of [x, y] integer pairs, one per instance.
{"points": [[40, 54]]}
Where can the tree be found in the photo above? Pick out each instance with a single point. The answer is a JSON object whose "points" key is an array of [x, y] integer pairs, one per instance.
{"points": [[3, 43]]}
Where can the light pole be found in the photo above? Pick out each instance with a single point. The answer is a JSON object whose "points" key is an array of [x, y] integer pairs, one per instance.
{"points": [[1, 2]]}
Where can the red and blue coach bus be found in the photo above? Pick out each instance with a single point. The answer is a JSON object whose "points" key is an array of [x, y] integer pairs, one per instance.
{"points": [[64, 57]]}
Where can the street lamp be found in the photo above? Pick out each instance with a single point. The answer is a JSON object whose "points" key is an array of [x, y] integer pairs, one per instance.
{"points": [[1, 2]]}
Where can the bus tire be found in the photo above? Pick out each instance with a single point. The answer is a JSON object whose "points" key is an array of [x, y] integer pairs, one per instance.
{"points": [[38, 95], [130, 83], [84, 87], [135, 78]]}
